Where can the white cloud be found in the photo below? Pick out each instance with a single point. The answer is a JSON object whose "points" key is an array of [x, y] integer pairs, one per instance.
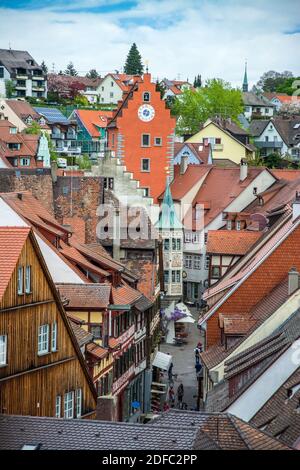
{"points": [[183, 37]]}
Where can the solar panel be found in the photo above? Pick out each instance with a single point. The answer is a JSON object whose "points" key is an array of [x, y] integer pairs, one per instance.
{"points": [[52, 115]]}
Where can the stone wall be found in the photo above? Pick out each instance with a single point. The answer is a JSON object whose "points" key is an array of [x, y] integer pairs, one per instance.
{"points": [[38, 181], [76, 200]]}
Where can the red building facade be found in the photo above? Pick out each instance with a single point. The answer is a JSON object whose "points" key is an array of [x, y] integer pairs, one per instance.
{"points": [[141, 134]]}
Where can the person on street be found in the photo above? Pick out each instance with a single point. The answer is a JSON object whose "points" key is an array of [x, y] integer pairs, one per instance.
{"points": [[171, 397], [180, 393], [170, 372], [166, 406]]}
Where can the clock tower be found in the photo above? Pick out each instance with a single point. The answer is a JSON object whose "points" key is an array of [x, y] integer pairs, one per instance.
{"points": [[141, 135]]}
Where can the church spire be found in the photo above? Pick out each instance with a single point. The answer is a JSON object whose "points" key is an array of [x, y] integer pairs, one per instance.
{"points": [[245, 82]]}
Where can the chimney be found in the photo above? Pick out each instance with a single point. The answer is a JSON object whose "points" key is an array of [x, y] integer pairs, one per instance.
{"points": [[243, 170], [296, 206], [293, 281], [183, 164]]}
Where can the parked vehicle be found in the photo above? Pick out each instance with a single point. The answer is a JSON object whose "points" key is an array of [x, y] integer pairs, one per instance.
{"points": [[62, 163]]}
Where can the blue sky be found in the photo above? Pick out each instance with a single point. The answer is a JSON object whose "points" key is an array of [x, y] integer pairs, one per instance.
{"points": [[179, 38]]}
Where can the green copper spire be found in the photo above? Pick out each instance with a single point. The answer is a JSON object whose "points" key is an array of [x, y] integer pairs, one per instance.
{"points": [[168, 218], [245, 82]]}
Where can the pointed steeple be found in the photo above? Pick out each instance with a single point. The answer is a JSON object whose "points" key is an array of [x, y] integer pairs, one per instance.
{"points": [[245, 82], [168, 218]]}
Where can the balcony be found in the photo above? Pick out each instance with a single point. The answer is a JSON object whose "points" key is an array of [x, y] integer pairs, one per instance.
{"points": [[69, 150], [269, 145], [22, 76], [217, 147], [38, 77], [38, 88]]}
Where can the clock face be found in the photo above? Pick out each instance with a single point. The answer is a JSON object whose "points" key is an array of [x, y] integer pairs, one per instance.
{"points": [[146, 112]]}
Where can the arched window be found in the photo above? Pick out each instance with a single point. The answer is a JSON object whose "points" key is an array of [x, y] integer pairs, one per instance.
{"points": [[146, 96]]}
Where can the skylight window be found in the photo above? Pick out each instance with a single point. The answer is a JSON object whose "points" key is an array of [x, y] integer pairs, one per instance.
{"points": [[296, 126], [31, 446]]}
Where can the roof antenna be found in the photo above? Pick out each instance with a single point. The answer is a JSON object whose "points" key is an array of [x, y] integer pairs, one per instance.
{"points": [[9, 46]]}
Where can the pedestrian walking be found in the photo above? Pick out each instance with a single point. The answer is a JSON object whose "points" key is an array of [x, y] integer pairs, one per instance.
{"points": [[170, 372], [180, 394], [197, 355], [171, 397]]}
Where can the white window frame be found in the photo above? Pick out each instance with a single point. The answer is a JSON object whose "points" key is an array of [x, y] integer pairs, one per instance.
{"points": [[160, 141], [78, 402], [25, 161], [69, 405], [43, 339], [3, 350], [149, 94], [238, 225], [142, 161], [188, 261], [28, 279], [58, 406], [207, 262], [20, 281], [149, 141], [197, 261], [54, 336]]}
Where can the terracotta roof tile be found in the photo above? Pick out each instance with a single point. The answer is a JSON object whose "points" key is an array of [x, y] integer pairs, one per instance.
{"points": [[233, 242], [97, 351], [92, 119], [83, 337], [12, 240], [82, 296], [124, 294]]}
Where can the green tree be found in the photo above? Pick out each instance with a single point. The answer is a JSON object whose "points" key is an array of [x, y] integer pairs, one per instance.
{"points": [[53, 154], [9, 88], [159, 86], [289, 86], [92, 74], [198, 81], [70, 70], [216, 99], [44, 67], [33, 129], [83, 162], [133, 65], [81, 100], [271, 80]]}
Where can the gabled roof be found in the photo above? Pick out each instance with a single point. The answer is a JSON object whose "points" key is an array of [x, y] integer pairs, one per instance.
{"points": [[12, 240], [124, 295], [231, 129], [232, 242], [252, 99], [52, 115], [22, 109], [182, 184], [12, 59], [83, 337], [92, 120], [260, 253], [85, 296], [201, 152], [259, 358], [258, 314]]}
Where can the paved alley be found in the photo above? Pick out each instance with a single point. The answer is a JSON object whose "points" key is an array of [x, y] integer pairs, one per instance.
{"points": [[184, 363]]}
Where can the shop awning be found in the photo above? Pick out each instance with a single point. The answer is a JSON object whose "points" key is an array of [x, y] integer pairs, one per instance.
{"points": [[162, 360], [183, 308], [186, 320]]}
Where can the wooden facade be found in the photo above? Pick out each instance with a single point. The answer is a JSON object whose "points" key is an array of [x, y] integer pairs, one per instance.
{"points": [[31, 381]]}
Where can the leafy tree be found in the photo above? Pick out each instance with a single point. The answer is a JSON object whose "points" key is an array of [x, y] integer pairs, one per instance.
{"points": [[198, 81], [289, 86], [215, 99], [81, 100], [83, 162], [53, 154], [133, 65], [92, 74], [44, 67], [270, 81], [159, 86], [9, 88], [33, 129], [70, 70]]}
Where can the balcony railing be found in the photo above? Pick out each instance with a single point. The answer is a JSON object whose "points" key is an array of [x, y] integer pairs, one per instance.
{"points": [[69, 150], [217, 147], [38, 77], [269, 145]]}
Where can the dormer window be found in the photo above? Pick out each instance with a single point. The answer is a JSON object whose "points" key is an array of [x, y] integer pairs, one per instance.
{"points": [[12, 130], [29, 120], [42, 122], [146, 97], [229, 225]]}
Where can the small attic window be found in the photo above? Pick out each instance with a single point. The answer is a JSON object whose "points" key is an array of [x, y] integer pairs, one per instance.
{"points": [[291, 391], [146, 97], [31, 447]]}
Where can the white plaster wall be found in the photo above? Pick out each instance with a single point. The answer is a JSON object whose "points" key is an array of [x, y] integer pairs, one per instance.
{"points": [[11, 116], [2, 83], [105, 94]]}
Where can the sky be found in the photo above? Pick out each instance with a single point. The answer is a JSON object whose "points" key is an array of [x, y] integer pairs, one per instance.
{"points": [[178, 38]]}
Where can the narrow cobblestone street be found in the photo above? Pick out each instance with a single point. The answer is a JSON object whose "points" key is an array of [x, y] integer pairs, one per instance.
{"points": [[184, 363]]}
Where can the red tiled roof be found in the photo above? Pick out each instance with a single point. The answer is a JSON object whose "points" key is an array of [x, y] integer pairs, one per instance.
{"points": [[200, 150], [113, 343], [92, 119], [289, 175], [97, 351], [231, 242], [12, 240], [182, 184], [82, 296], [145, 272], [73, 254], [288, 99], [77, 225], [124, 295], [236, 325]]}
